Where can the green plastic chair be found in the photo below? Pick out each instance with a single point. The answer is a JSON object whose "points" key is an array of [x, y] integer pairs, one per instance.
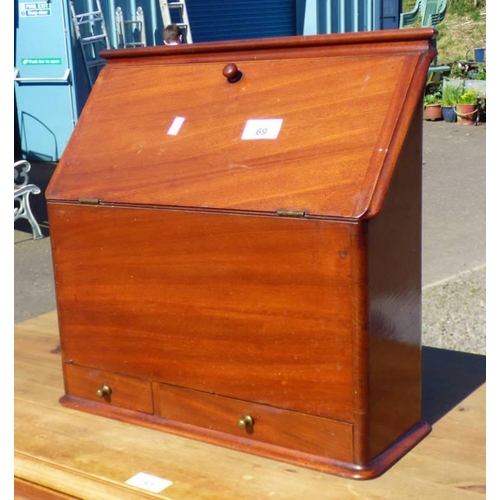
{"points": [[432, 13]]}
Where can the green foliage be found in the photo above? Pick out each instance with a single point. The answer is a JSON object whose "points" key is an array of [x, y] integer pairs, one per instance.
{"points": [[460, 7], [458, 71], [469, 97], [463, 29], [434, 97], [431, 99], [463, 70], [479, 74], [465, 7], [451, 94]]}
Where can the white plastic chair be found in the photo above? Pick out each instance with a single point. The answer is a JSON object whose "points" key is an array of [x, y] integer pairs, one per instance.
{"points": [[22, 191]]}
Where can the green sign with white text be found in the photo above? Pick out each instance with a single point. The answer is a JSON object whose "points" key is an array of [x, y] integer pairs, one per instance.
{"points": [[41, 61], [35, 9]]}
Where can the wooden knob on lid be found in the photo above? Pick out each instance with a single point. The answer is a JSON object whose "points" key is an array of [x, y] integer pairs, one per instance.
{"points": [[232, 73]]}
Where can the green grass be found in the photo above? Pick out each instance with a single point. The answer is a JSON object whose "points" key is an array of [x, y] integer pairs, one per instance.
{"points": [[463, 29]]}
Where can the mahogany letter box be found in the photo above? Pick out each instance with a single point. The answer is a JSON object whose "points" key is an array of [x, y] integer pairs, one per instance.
{"points": [[235, 231]]}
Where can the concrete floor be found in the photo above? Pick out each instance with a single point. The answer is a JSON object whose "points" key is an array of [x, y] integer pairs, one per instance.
{"points": [[454, 237], [454, 241]]}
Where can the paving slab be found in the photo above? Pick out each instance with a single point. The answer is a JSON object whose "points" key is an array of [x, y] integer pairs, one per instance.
{"points": [[454, 200]]}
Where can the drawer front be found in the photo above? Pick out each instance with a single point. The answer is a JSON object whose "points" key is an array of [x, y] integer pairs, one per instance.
{"points": [[261, 423], [106, 387], [247, 307]]}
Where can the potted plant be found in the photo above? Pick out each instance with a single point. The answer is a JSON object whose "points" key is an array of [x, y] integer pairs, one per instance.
{"points": [[478, 83], [469, 76], [432, 105], [451, 96], [467, 108]]}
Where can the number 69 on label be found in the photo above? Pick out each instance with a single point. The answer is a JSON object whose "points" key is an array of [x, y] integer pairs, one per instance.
{"points": [[268, 128]]}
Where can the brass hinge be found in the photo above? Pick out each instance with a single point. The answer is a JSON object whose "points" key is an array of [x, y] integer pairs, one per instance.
{"points": [[291, 213], [89, 201]]}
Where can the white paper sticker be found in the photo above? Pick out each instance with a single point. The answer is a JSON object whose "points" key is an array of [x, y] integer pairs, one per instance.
{"points": [[268, 128], [176, 125], [148, 482]]}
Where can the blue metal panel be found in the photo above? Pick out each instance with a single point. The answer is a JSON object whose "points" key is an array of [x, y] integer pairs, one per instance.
{"points": [[391, 9], [45, 100], [341, 16], [153, 21], [214, 20], [210, 20]]}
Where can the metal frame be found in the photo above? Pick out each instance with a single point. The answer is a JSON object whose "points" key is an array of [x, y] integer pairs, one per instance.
{"points": [[22, 191]]}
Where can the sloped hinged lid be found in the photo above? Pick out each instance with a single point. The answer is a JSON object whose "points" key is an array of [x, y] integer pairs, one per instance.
{"points": [[313, 124]]}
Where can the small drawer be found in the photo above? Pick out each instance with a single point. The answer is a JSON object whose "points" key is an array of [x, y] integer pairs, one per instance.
{"points": [[262, 423], [107, 387]]}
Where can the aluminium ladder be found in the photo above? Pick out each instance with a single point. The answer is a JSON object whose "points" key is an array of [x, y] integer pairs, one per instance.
{"points": [[175, 12], [136, 26], [90, 31]]}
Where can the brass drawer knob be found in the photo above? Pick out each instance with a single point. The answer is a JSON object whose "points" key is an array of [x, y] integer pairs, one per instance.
{"points": [[245, 422], [104, 391]]}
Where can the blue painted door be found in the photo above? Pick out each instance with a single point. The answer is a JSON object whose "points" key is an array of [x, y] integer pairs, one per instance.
{"points": [[391, 9], [44, 97]]}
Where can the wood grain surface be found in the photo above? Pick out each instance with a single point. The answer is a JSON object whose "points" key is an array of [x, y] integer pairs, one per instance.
{"points": [[72, 454], [177, 274], [345, 109], [256, 308]]}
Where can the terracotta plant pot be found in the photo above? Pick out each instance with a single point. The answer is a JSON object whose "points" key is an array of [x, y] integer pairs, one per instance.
{"points": [[466, 114], [432, 112]]}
